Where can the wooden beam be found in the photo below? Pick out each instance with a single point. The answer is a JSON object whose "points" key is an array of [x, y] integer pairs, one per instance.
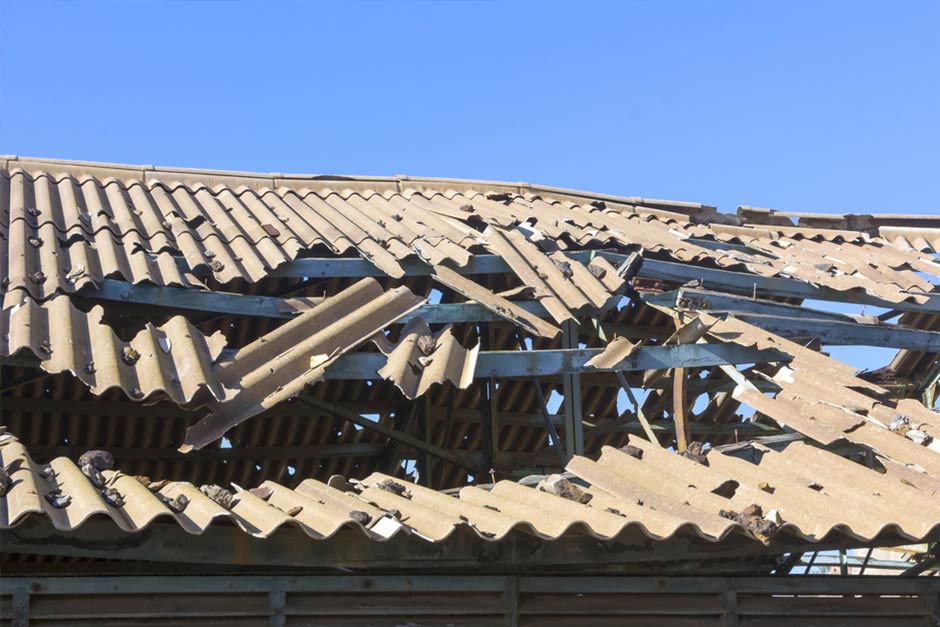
{"points": [[792, 321], [679, 410], [469, 460], [697, 299], [756, 285], [178, 298], [570, 361], [723, 280]]}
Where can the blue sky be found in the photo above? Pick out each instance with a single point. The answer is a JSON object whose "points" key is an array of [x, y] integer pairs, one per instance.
{"points": [[812, 106]]}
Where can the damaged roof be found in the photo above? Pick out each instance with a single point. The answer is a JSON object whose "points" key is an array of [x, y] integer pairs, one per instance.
{"points": [[254, 303], [68, 224]]}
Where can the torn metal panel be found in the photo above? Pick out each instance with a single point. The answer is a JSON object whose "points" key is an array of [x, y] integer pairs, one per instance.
{"points": [[278, 365], [496, 303], [175, 360], [421, 359]]}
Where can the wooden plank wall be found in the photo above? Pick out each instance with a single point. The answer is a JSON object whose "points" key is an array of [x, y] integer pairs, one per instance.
{"points": [[467, 600]]}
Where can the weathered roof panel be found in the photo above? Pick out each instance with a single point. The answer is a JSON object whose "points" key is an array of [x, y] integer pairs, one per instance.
{"points": [[173, 360], [278, 365], [66, 225], [811, 493]]}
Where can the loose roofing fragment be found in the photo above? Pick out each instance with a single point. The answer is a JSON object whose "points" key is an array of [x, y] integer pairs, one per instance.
{"points": [[278, 365], [496, 303], [617, 351], [422, 358], [563, 285], [175, 359]]}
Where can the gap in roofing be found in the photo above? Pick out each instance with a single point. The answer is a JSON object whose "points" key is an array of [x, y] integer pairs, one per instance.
{"points": [[862, 357], [845, 308]]}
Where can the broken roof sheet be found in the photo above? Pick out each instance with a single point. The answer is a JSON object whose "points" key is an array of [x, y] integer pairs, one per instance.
{"points": [[421, 359], [66, 225], [824, 400], [174, 360], [278, 365], [646, 493]]}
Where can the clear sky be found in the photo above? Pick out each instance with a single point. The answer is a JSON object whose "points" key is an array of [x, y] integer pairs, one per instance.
{"points": [[812, 106]]}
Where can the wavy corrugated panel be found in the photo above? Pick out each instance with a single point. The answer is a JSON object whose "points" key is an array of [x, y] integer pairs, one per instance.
{"points": [[174, 360], [911, 238], [648, 492], [823, 399], [562, 285], [422, 358], [65, 225], [279, 364]]}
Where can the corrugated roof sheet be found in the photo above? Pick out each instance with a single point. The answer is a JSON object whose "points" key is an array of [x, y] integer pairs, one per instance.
{"points": [[278, 365], [421, 359], [658, 494], [66, 225], [174, 360], [823, 399]]}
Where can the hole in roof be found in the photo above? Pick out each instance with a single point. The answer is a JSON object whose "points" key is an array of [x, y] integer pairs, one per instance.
{"points": [[623, 401], [554, 401], [746, 411], [435, 296], [700, 404], [226, 443], [291, 470], [862, 357]]}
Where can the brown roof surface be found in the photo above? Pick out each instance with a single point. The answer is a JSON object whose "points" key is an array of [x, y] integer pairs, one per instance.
{"points": [[810, 492], [174, 360], [66, 225]]}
